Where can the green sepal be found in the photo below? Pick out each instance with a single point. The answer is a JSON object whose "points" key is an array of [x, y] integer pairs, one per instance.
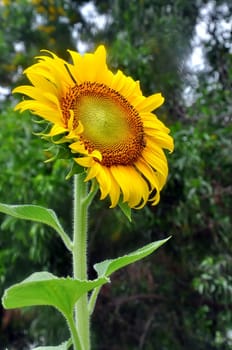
{"points": [[64, 346], [38, 120], [107, 267], [125, 209], [74, 169], [43, 288], [38, 214], [59, 152], [58, 139]]}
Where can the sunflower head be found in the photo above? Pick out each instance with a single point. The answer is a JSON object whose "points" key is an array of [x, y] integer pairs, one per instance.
{"points": [[105, 121]]}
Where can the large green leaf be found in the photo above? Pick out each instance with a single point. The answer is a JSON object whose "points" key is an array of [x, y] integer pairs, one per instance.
{"points": [[64, 346], [38, 214], [107, 267], [43, 288], [58, 347]]}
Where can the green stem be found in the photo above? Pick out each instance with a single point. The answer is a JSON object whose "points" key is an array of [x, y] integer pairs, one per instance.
{"points": [[80, 257], [75, 340]]}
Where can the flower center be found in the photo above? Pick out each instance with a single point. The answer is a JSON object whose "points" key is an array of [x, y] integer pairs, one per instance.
{"points": [[111, 124]]}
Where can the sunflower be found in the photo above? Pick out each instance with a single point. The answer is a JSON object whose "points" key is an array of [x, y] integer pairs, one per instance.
{"points": [[105, 120]]}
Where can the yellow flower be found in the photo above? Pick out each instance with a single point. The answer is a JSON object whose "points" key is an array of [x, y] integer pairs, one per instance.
{"points": [[106, 121]]}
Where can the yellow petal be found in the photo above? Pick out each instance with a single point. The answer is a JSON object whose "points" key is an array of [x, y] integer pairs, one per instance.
{"points": [[78, 147], [114, 191], [41, 110], [89, 67], [93, 171], [161, 139], [56, 130], [148, 173], [104, 181], [133, 186], [86, 162], [156, 161], [150, 103]]}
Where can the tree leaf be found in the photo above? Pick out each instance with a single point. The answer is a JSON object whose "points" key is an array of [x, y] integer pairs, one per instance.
{"points": [[38, 214], [107, 267], [43, 288]]}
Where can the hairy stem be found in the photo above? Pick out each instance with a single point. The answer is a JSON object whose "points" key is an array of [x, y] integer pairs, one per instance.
{"points": [[80, 257]]}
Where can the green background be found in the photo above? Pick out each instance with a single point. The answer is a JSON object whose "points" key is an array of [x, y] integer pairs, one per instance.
{"points": [[181, 297]]}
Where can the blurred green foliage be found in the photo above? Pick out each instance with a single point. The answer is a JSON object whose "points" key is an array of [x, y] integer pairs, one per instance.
{"points": [[180, 297]]}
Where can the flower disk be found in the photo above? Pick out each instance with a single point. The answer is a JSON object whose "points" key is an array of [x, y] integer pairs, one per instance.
{"points": [[111, 125], [106, 121]]}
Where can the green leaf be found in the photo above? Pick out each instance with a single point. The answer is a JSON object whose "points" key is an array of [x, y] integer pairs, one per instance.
{"points": [[125, 209], [43, 288], [38, 214], [107, 267], [64, 346]]}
